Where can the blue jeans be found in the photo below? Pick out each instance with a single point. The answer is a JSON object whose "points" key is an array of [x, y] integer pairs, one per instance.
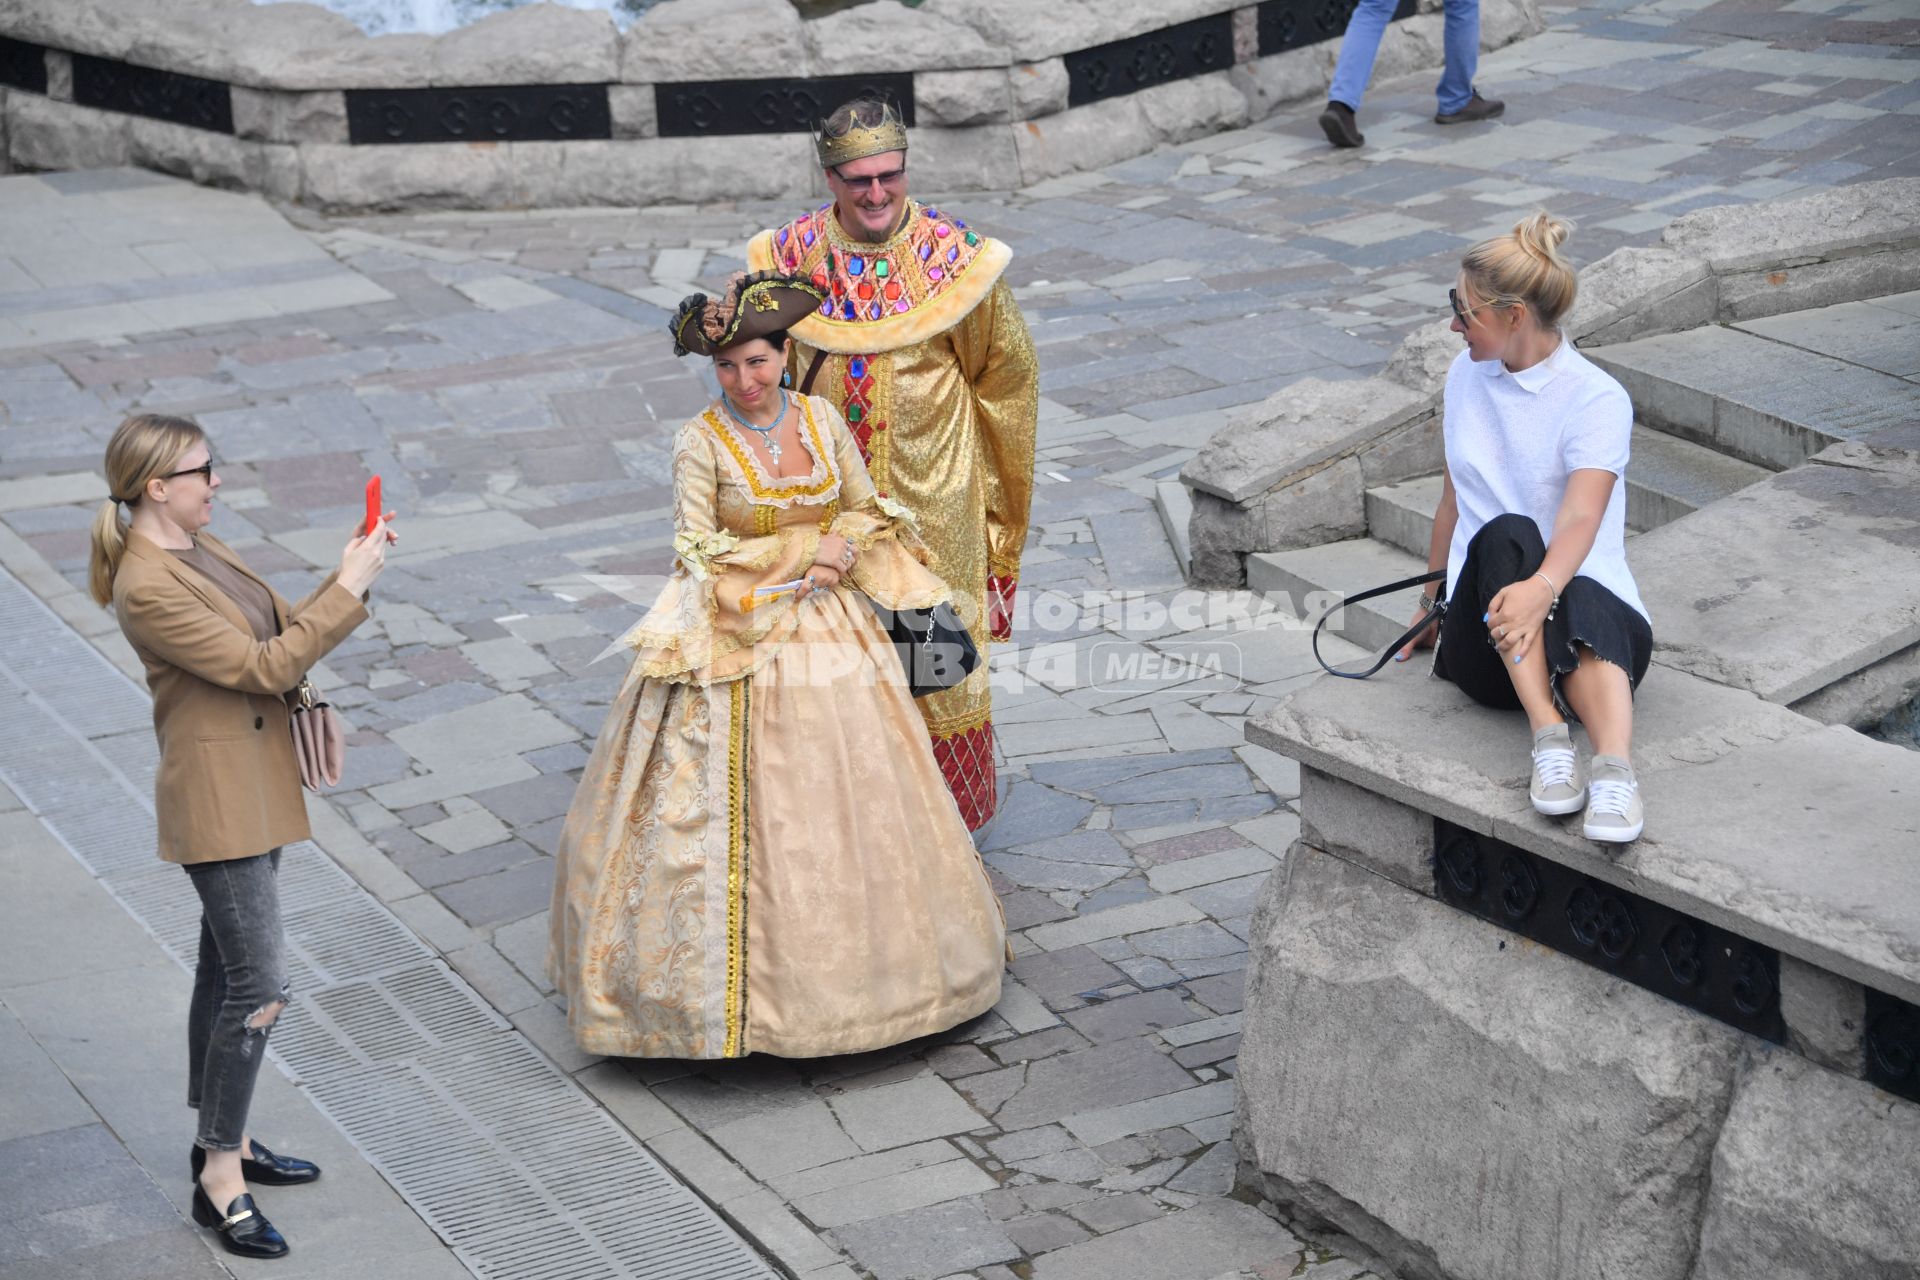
{"points": [[1362, 42]]}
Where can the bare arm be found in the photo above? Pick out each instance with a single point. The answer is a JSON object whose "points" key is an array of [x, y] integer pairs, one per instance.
{"points": [[1519, 612]]}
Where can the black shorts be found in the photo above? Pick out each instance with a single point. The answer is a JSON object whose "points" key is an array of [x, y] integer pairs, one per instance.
{"points": [[1505, 551]]}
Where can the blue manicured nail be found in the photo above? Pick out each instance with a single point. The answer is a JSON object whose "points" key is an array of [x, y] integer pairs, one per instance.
{"points": [[1483, 617], [1399, 657]]}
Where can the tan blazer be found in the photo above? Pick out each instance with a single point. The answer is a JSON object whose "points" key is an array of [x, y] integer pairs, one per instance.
{"points": [[228, 785]]}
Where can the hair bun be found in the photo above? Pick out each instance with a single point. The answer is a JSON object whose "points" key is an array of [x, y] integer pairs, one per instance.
{"points": [[1541, 234]]}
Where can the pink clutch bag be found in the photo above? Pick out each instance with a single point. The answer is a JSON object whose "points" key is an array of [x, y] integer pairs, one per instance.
{"points": [[319, 742]]}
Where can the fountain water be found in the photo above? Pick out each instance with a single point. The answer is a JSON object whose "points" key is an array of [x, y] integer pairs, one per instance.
{"points": [[434, 17]]}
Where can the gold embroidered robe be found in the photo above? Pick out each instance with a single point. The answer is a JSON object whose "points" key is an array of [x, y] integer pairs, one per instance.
{"points": [[762, 856], [929, 360]]}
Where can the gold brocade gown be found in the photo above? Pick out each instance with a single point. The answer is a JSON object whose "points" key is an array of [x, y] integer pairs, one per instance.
{"points": [[762, 856], [922, 348]]}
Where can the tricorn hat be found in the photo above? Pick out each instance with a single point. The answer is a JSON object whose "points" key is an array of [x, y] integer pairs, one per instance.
{"points": [[754, 306]]}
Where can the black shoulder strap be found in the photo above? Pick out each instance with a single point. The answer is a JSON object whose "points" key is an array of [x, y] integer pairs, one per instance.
{"points": [[1438, 611], [813, 371]]}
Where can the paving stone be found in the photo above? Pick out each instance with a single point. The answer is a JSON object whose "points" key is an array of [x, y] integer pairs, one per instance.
{"points": [[842, 1174], [896, 1193], [933, 1241], [464, 832], [1228, 900], [1130, 1016], [899, 1114], [1188, 941], [1093, 1079], [507, 895], [1210, 1238], [1227, 864], [797, 1137], [1224, 993], [1058, 975], [1096, 847], [1107, 1123], [1116, 1212], [1076, 1164], [1048, 873], [1040, 1044], [1133, 918], [1044, 1231], [1032, 812]]}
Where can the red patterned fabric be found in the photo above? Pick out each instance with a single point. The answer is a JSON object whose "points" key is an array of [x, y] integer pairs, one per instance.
{"points": [[857, 407], [966, 761], [1000, 589]]}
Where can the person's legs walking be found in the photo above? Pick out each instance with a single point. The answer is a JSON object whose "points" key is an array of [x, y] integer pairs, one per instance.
{"points": [[1455, 99], [1461, 39], [1358, 48]]}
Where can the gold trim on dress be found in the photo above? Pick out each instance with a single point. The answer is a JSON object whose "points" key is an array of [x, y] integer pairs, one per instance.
{"points": [[736, 869], [747, 462]]}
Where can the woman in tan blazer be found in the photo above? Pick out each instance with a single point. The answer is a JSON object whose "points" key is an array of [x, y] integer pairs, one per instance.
{"points": [[221, 650]]}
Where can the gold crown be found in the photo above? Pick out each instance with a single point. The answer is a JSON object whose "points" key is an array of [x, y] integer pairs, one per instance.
{"points": [[862, 140]]}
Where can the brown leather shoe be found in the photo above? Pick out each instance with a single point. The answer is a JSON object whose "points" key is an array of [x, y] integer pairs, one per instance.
{"points": [[1338, 124], [1476, 110]]}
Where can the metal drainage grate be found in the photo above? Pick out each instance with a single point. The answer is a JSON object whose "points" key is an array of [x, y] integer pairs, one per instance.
{"points": [[522, 1174]]}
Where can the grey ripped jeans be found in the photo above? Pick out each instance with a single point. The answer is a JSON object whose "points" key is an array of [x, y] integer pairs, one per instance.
{"points": [[242, 971]]}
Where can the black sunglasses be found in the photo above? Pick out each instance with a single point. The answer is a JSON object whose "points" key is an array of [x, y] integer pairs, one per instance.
{"points": [[886, 179], [204, 471]]}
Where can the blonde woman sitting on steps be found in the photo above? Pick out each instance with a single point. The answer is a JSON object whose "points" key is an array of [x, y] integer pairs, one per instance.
{"points": [[1542, 614]]}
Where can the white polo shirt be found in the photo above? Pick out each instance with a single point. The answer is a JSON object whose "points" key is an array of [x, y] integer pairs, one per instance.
{"points": [[1513, 438]]}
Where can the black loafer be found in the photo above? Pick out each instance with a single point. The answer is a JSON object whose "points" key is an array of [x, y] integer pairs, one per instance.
{"points": [[265, 1168], [243, 1229]]}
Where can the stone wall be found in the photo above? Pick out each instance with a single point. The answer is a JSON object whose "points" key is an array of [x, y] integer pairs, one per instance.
{"points": [[1275, 476], [989, 83], [1461, 1101]]}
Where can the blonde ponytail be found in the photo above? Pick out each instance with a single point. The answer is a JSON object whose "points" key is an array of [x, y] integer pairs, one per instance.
{"points": [[1524, 266], [145, 447]]}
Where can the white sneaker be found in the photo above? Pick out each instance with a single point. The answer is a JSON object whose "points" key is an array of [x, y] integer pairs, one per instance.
{"points": [[1614, 813], [1556, 787]]}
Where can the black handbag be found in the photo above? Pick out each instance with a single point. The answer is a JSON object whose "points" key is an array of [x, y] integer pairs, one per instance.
{"points": [[1439, 611], [935, 650]]}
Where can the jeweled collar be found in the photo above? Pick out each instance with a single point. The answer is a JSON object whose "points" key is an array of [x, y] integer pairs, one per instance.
{"points": [[883, 294]]}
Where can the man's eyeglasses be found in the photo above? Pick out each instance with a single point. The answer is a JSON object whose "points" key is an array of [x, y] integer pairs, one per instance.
{"points": [[1461, 313], [204, 471], [887, 179]]}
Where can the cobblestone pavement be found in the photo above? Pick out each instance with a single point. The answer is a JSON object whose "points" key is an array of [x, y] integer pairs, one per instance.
{"points": [[518, 395]]}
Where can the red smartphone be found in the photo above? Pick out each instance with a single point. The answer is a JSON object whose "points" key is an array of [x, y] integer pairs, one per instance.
{"points": [[373, 503]]}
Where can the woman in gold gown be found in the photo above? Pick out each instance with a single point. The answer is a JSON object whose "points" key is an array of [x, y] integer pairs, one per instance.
{"points": [[762, 856]]}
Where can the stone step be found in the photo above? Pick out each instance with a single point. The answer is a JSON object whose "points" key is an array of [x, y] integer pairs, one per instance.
{"points": [[1401, 515], [1756, 399], [1667, 478], [1344, 568], [1174, 502]]}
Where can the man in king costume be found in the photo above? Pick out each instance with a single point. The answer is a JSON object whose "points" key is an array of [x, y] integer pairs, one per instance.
{"points": [[920, 345]]}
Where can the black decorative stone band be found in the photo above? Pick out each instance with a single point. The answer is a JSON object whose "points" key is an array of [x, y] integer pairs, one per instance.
{"points": [[1633, 938], [1893, 1045], [1158, 57], [509, 113], [23, 65], [715, 108], [159, 95], [1294, 24]]}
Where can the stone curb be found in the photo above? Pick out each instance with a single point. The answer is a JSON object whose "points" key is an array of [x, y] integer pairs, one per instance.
{"points": [[991, 91]]}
